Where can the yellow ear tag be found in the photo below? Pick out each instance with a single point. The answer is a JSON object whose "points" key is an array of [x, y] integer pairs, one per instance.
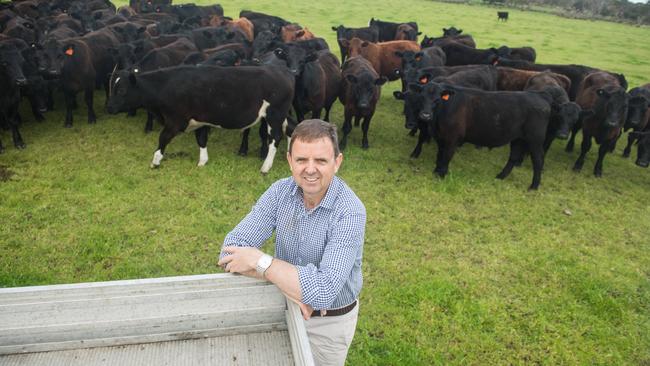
{"points": [[69, 52], [424, 80], [445, 97]]}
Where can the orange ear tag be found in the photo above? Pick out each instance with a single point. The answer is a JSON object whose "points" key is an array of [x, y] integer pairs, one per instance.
{"points": [[69, 52], [445, 97], [424, 80]]}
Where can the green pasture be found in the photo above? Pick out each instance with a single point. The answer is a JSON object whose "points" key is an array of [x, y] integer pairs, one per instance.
{"points": [[468, 270]]}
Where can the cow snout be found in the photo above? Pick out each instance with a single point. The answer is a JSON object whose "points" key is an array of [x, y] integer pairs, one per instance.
{"points": [[562, 135], [426, 116], [363, 105], [55, 72], [21, 81]]}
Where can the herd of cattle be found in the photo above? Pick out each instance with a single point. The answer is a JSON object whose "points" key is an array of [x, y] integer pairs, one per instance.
{"points": [[191, 68]]}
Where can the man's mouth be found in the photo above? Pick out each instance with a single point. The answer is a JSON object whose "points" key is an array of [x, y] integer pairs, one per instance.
{"points": [[311, 179]]}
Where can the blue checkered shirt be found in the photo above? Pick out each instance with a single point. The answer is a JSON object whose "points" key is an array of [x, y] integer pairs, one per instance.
{"points": [[325, 243]]}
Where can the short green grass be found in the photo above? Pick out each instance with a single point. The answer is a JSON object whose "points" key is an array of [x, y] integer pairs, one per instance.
{"points": [[468, 270]]}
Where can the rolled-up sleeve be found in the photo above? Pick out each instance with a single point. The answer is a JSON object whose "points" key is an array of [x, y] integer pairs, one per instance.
{"points": [[321, 285], [257, 226]]}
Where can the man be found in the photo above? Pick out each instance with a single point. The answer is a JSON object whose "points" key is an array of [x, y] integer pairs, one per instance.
{"points": [[320, 225]]}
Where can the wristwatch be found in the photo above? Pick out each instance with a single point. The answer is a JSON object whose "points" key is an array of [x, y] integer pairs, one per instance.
{"points": [[263, 264]]}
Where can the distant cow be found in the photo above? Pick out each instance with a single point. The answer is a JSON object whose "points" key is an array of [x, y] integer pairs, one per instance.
{"points": [[502, 15], [360, 92], [381, 55], [638, 115], [194, 98], [603, 96], [483, 118]]}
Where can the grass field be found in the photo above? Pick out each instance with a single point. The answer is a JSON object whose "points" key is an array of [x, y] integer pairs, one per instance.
{"points": [[468, 270]]}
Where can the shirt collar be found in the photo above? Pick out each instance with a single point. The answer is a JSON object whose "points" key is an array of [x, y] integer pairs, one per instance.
{"points": [[330, 196]]}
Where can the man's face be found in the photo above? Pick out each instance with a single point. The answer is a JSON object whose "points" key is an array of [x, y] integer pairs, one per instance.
{"points": [[313, 167]]}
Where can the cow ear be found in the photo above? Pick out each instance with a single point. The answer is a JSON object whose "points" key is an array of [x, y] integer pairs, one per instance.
{"points": [[399, 95], [399, 54], [460, 31], [418, 56], [335, 29], [69, 49], [419, 33], [142, 29], [351, 78], [300, 33], [365, 44], [444, 30], [381, 81]]}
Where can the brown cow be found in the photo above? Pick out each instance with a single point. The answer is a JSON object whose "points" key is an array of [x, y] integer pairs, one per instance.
{"points": [[242, 24], [381, 55], [294, 32], [516, 79], [602, 95]]}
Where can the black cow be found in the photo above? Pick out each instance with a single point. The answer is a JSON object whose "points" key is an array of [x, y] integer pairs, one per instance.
{"points": [[360, 91], [318, 85], [517, 53], [458, 115], [11, 80], [465, 39], [194, 98], [370, 34], [459, 54], [451, 32], [388, 30], [603, 96], [502, 15], [638, 114]]}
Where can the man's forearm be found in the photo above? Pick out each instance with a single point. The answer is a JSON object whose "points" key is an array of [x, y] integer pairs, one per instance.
{"points": [[285, 276]]}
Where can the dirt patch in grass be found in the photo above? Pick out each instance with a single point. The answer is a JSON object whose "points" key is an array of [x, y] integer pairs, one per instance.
{"points": [[5, 174]]}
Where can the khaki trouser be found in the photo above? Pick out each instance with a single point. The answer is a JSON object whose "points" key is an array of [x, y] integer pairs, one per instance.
{"points": [[330, 337]]}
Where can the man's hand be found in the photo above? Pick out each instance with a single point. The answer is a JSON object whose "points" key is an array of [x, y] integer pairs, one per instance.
{"points": [[240, 260], [306, 310]]}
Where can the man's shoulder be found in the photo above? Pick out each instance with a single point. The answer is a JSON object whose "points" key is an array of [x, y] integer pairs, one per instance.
{"points": [[347, 200]]}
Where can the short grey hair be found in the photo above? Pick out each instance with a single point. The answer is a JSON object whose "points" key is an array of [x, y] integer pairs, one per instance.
{"points": [[314, 129]]}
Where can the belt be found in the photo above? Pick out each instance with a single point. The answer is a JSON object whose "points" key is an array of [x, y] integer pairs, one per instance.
{"points": [[336, 312]]}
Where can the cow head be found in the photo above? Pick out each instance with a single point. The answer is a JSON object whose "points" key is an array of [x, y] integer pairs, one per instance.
{"points": [[123, 92], [452, 31], [406, 32], [53, 57], [295, 57], [11, 64], [356, 46], [566, 114], [637, 112], [365, 87], [643, 153], [264, 42], [427, 42], [611, 107], [432, 96]]}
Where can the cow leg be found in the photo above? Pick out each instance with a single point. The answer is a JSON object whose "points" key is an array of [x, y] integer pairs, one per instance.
{"points": [[572, 138], [418, 148], [628, 148], [88, 96], [70, 101], [166, 135], [364, 127], [276, 135], [243, 147], [201, 135], [516, 152], [347, 127], [15, 133], [584, 148], [327, 112], [446, 151], [604, 148], [264, 137], [537, 158]]}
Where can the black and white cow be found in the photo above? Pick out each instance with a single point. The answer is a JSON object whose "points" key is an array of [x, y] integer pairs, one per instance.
{"points": [[193, 98]]}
